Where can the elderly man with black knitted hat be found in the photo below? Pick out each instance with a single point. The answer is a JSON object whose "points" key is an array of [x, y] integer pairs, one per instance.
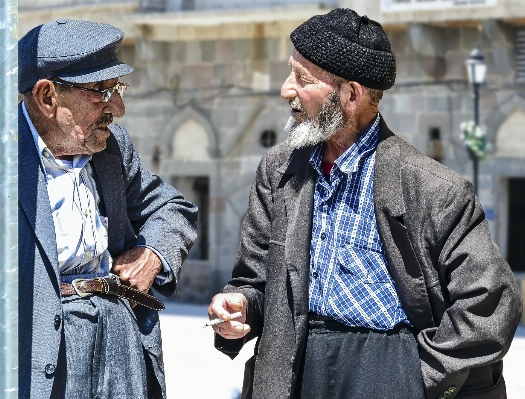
{"points": [[96, 230], [365, 269]]}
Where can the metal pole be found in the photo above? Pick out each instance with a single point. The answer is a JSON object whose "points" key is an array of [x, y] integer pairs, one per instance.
{"points": [[475, 95], [9, 200]]}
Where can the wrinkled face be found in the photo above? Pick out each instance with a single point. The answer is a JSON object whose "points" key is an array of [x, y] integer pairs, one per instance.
{"points": [[83, 118], [314, 97], [328, 121], [306, 88]]}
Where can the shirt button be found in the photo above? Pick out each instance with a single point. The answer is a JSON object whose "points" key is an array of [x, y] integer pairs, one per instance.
{"points": [[85, 212], [50, 369], [323, 236], [57, 321], [89, 254], [315, 275], [46, 154]]}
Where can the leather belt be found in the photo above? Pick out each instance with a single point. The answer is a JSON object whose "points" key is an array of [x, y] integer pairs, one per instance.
{"points": [[109, 286], [318, 321]]}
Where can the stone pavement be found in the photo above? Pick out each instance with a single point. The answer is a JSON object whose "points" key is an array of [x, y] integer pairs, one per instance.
{"points": [[195, 370]]}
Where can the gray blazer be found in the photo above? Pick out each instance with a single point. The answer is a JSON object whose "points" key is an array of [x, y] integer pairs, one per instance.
{"points": [[455, 288], [141, 209]]}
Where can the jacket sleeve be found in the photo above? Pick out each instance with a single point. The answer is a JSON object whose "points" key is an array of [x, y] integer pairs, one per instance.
{"points": [[161, 217], [249, 273], [483, 300]]}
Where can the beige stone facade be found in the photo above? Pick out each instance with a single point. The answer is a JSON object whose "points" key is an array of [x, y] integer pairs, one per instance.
{"points": [[204, 101]]}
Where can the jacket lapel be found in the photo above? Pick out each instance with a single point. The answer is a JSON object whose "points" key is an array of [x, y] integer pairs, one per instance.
{"points": [[32, 192], [299, 178], [388, 193], [108, 175], [390, 211]]}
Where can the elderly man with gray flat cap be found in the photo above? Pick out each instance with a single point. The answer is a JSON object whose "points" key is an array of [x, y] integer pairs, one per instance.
{"points": [[96, 230], [365, 268]]}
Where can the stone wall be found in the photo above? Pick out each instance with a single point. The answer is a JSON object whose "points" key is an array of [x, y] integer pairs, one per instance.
{"points": [[203, 5], [510, 10], [24, 5]]}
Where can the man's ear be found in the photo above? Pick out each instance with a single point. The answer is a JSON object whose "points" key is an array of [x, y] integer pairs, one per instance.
{"points": [[352, 94], [45, 97]]}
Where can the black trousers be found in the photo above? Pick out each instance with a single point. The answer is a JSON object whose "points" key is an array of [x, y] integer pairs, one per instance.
{"points": [[343, 362]]}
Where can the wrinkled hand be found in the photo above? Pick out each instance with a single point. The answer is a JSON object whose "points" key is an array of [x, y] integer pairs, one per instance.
{"points": [[137, 268], [222, 306]]}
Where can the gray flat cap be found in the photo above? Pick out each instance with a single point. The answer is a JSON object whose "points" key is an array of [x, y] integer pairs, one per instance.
{"points": [[74, 51]]}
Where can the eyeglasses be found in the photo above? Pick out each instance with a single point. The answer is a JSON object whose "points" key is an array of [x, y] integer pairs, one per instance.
{"points": [[120, 88]]}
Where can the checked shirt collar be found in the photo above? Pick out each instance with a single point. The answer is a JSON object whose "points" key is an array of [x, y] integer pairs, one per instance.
{"points": [[348, 162]]}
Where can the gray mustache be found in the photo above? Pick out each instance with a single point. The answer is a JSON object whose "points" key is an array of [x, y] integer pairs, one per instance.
{"points": [[295, 103]]}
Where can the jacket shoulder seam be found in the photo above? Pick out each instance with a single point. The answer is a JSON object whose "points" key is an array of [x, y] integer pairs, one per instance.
{"points": [[428, 171]]}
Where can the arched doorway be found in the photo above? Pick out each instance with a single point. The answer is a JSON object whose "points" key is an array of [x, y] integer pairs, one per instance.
{"points": [[190, 144], [510, 149]]}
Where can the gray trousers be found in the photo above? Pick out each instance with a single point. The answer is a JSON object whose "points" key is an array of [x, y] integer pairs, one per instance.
{"points": [[342, 362], [101, 354]]}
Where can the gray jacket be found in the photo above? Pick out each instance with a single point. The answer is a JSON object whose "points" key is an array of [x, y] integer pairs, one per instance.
{"points": [[454, 286], [141, 209]]}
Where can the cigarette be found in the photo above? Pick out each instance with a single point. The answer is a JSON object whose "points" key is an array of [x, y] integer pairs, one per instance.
{"points": [[219, 321]]}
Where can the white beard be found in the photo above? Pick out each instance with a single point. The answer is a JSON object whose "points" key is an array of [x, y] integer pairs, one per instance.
{"points": [[327, 122]]}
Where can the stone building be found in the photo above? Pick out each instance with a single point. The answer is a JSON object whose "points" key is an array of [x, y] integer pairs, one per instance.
{"points": [[204, 104]]}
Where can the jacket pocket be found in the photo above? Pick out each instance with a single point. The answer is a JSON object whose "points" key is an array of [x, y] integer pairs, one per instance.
{"points": [[497, 391], [484, 383], [247, 383]]}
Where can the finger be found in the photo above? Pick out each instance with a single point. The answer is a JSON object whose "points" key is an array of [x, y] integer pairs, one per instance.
{"points": [[116, 269], [224, 326], [232, 327], [119, 262], [235, 301], [217, 307], [237, 327], [123, 280], [238, 332], [122, 273]]}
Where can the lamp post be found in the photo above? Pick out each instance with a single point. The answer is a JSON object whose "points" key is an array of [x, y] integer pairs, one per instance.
{"points": [[476, 69]]}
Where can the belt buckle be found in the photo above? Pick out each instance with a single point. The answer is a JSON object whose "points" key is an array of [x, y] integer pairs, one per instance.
{"points": [[77, 289]]}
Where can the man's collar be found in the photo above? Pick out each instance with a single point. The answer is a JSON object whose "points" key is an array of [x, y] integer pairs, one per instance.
{"points": [[348, 162], [79, 161]]}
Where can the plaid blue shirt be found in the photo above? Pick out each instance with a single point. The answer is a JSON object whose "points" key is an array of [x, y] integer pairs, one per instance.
{"points": [[349, 277]]}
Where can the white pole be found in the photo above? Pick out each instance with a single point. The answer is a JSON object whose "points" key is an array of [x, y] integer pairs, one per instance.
{"points": [[8, 199]]}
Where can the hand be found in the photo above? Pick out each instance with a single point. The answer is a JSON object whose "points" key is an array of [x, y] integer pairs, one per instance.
{"points": [[222, 306], [137, 268]]}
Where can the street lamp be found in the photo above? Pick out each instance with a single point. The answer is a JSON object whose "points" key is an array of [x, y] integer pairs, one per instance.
{"points": [[476, 69]]}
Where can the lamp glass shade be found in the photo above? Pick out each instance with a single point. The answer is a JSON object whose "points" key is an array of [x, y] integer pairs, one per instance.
{"points": [[476, 67], [476, 71]]}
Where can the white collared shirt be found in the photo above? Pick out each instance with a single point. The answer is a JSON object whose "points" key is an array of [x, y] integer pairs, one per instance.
{"points": [[81, 232]]}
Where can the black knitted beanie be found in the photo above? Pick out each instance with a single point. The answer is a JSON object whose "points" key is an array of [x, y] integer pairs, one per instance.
{"points": [[349, 46]]}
